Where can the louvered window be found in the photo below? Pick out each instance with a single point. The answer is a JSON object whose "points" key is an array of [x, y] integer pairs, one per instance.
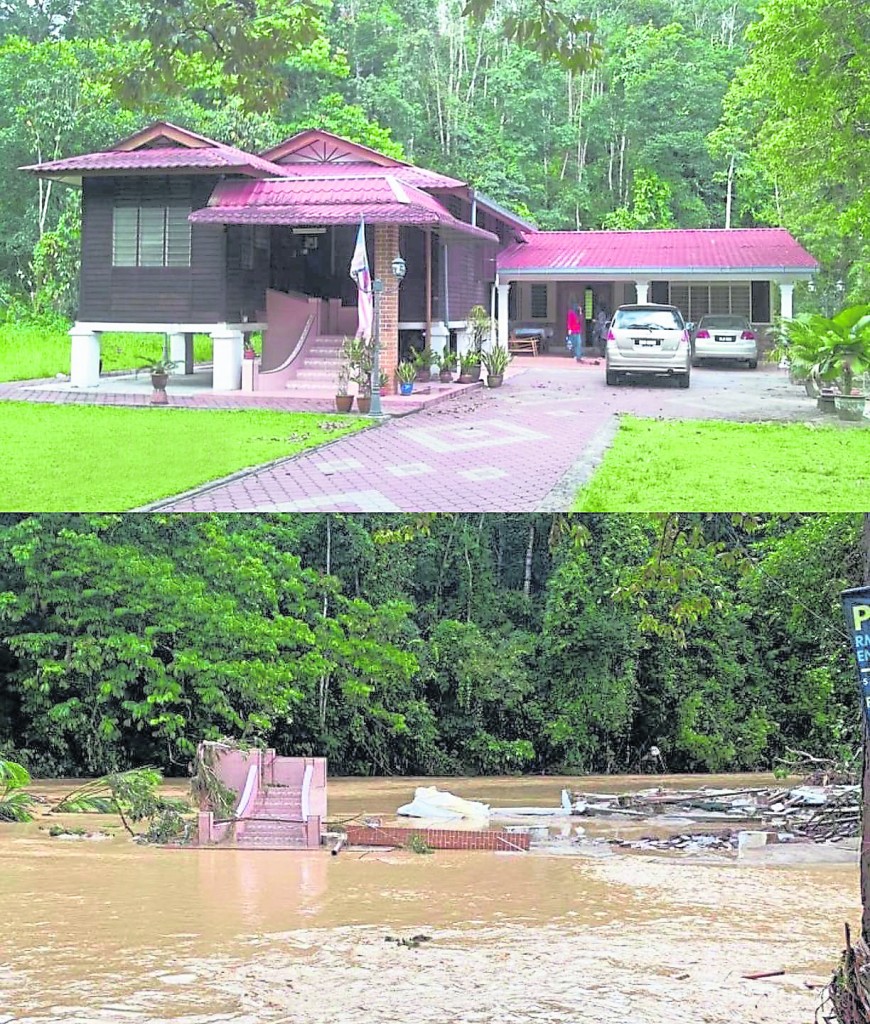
{"points": [[150, 234], [539, 305]]}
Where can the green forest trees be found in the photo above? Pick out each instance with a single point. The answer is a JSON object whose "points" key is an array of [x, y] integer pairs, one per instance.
{"points": [[685, 113], [434, 644]]}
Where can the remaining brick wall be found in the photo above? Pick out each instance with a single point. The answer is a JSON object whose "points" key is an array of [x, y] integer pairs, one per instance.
{"points": [[386, 250], [437, 838]]}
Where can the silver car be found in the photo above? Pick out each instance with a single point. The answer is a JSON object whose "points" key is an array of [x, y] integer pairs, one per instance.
{"points": [[648, 339], [725, 337]]}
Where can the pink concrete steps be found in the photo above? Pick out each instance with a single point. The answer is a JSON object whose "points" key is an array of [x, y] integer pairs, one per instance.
{"points": [[275, 821], [315, 371]]}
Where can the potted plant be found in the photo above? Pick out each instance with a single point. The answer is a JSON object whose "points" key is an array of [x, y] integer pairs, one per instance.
{"points": [[468, 363], [159, 370], [844, 354], [798, 343], [249, 352], [385, 385], [496, 361], [407, 373], [422, 361], [480, 325], [446, 363], [343, 401], [357, 353]]}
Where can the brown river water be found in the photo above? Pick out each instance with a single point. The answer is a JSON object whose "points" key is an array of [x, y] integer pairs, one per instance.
{"points": [[115, 932]]}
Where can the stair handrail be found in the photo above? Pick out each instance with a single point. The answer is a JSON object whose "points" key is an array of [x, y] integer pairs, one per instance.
{"points": [[303, 337], [249, 793], [306, 791]]}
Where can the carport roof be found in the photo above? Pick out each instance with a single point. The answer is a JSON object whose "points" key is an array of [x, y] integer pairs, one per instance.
{"points": [[551, 253]]}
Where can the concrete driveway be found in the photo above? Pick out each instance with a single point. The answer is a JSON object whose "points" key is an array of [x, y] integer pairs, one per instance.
{"points": [[523, 447]]}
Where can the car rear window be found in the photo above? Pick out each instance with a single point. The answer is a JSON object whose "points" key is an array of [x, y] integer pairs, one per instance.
{"points": [[733, 323], [665, 319]]}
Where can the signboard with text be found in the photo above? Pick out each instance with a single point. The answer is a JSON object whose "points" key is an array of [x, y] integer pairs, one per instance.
{"points": [[856, 606]]}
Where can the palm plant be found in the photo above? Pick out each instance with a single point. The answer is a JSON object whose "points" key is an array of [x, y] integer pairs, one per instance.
{"points": [[14, 801], [480, 323], [827, 348]]}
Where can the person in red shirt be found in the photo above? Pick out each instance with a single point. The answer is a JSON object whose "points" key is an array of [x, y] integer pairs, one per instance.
{"points": [[574, 332]]}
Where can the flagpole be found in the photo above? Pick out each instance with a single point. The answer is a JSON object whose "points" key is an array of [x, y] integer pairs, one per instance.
{"points": [[375, 408]]}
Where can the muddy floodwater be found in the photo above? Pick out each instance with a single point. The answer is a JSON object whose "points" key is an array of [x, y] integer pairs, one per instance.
{"points": [[111, 931]]}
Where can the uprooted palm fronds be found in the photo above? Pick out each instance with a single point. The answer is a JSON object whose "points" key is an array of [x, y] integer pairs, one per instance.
{"points": [[15, 803], [134, 796], [846, 1000], [206, 789]]}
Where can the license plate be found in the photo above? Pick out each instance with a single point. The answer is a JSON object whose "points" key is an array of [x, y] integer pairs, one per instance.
{"points": [[725, 337], [645, 342]]}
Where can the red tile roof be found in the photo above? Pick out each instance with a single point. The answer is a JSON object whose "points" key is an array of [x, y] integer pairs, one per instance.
{"points": [[418, 176], [217, 157], [330, 199], [771, 249]]}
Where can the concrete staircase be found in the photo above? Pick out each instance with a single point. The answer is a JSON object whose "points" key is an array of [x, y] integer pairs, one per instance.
{"points": [[275, 821], [314, 372]]}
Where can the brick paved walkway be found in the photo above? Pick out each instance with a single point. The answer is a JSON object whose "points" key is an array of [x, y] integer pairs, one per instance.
{"points": [[502, 450]]}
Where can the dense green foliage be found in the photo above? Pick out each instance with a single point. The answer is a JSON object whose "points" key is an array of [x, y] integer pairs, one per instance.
{"points": [[428, 644], [658, 113]]}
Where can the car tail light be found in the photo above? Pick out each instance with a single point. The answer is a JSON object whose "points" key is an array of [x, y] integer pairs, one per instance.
{"points": [[611, 336], [703, 334], [748, 336]]}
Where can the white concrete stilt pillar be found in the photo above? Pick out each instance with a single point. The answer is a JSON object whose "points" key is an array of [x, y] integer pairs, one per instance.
{"points": [[642, 288], [440, 335], [84, 364], [178, 351], [786, 300], [227, 346], [503, 323]]}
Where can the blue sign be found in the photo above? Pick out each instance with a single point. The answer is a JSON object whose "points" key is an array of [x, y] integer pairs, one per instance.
{"points": [[856, 606]]}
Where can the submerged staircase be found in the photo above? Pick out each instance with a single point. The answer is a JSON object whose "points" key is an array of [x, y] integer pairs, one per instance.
{"points": [[281, 802], [275, 821]]}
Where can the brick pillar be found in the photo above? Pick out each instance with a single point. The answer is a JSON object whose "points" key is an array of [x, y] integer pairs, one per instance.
{"points": [[386, 250]]}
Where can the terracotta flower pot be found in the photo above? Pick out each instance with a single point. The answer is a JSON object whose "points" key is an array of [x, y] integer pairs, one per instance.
{"points": [[159, 381], [446, 376], [343, 403], [494, 380], [364, 403], [465, 378], [424, 376]]}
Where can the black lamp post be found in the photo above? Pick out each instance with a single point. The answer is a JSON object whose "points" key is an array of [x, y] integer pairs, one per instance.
{"points": [[399, 269]]}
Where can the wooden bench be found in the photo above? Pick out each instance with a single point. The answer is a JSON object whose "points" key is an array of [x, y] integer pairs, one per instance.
{"points": [[520, 345]]}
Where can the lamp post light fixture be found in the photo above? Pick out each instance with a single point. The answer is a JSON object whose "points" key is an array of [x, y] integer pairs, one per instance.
{"points": [[399, 269]]}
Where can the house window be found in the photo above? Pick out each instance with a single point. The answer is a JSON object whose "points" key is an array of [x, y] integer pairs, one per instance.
{"points": [[538, 302], [150, 234], [513, 300]]}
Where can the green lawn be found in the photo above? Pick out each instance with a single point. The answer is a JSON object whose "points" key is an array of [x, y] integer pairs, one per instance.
{"points": [[661, 465], [88, 458], [29, 350]]}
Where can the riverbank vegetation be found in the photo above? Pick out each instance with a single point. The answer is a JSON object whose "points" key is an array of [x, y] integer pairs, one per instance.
{"points": [[432, 644]]}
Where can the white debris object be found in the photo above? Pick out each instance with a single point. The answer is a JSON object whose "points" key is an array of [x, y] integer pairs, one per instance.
{"points": [[809, 796], [431, 802], [750, 841]]}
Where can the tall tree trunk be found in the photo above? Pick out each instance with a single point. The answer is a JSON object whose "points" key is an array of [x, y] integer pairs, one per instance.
{"points": [[323, 685], [527, 573], [730, 192]]}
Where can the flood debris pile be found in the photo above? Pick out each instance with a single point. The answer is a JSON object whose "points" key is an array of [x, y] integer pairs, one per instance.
{"points": [[823, 813], [847, 997], [688, 842]]}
